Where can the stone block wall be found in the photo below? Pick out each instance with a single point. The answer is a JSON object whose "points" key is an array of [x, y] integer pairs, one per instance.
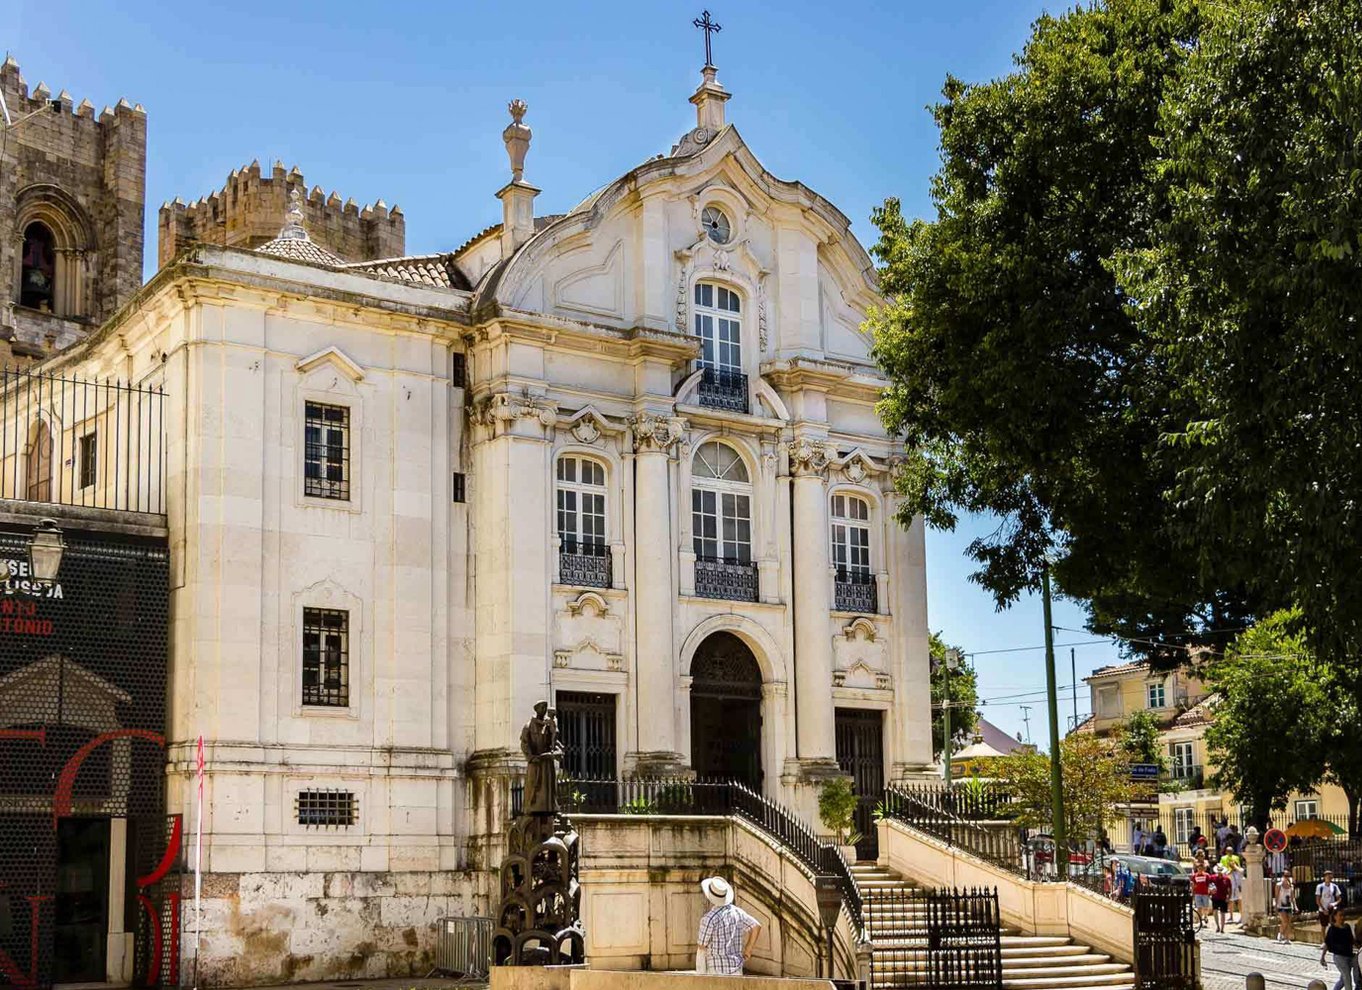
{"points": [[84, 175], [249, 210]]}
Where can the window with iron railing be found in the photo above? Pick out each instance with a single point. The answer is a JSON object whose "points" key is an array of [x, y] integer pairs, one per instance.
{"points": [[718, 324], [583, 553], [855, 584], [326, 657], [721, 524], [326, 451]]}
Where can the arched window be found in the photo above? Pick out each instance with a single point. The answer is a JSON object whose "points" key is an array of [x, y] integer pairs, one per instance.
{"points": [[718, 324], [584, 555], [38, 463], [38, 268], [721, 505], [856, 590]]}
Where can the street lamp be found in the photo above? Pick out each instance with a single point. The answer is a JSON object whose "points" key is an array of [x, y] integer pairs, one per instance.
{"points": [[828, 891], [952, 662], [45, 549]]}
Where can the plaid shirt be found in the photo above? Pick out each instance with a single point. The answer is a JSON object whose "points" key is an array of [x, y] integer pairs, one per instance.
{"points": [[722, 931]]}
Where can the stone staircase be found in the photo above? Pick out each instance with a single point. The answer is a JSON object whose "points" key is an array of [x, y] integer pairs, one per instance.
{"points": [[1030, 962]]}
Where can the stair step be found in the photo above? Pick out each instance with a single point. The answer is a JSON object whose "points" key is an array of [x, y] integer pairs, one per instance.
{"points": [[1028, 951], [1059, 982]]}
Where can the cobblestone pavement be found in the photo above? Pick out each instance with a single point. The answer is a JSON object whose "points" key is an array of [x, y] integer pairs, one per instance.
{"points": [[1227, 959]]}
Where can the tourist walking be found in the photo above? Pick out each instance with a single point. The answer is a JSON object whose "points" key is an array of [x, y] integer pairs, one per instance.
{"points": [[1284, 900], [1220, 896], [1201, 892], [727, 932], [1159, 842], [1327, 897], [1237, 890], [1340, 944]]}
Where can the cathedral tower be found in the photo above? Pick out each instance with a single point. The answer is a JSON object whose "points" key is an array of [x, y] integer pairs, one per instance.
{"points": [[72, 195]]}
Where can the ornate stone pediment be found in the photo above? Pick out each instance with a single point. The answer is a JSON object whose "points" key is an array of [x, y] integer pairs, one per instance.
{"points": [[859, 656], [587, 426], [587, 636]]}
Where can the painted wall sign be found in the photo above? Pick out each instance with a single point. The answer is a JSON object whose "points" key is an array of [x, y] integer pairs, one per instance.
{"points": [[16, 578], [20, 618]]}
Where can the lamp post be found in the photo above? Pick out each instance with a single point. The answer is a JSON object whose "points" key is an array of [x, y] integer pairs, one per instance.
{"points": [[829, 895], [45, 549], [952, 662], [1060, 829]]}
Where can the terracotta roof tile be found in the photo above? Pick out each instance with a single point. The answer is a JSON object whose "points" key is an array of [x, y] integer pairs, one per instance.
{"points": [[437, 271], [1117, 669], [300, 249], [1202, 713]]}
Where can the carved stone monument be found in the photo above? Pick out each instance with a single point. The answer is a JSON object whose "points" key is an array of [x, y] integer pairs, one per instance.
{"points": [[538, 923]]}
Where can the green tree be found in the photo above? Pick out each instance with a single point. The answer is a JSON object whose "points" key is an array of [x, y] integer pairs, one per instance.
{"points": [[1271, 717], [1250, 293], [964, 694], [1021, 381], [1139, 739], [1096, 780]]}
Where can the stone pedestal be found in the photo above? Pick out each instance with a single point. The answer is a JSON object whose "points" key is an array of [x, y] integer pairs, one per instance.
{"points": [[1255, 902], [539, 920]]}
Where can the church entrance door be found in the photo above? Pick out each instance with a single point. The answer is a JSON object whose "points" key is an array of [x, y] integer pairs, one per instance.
{"points": [[860, 752], [725, 711]]}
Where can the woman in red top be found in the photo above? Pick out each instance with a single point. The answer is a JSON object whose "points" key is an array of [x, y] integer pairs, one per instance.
{"points": [[1220, 896], [1201, 892]]}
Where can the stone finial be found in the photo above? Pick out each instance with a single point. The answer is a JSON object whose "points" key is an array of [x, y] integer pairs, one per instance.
{"points": [[517, 137], [293, 229]]}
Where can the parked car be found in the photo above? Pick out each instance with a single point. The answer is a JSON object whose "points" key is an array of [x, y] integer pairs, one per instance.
{"points": [[1150, 870]]}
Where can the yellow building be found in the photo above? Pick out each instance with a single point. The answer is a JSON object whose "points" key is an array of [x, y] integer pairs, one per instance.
{"points": [[1184, 707]]}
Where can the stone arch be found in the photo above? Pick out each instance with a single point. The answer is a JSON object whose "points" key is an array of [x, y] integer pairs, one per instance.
{"points": [[73, 240], [762, 644]]}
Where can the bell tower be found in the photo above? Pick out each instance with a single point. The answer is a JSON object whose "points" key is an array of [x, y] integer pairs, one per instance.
{"points": [[72, 199]]}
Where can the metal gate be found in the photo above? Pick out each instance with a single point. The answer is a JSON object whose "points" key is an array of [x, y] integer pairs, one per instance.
{"points": [[942, 939], [1165, 939], [860, 752]]}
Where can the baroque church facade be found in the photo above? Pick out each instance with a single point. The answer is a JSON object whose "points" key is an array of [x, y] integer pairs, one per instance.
{"points": [[625, 459]]}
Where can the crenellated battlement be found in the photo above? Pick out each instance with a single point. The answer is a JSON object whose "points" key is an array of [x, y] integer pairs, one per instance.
{"points": [[249, 210]]}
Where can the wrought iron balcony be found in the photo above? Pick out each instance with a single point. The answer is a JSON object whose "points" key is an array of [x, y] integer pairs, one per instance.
{"points": [[857, 592], [726, 577], [1189, 776], [584, 564], [720, 389]]}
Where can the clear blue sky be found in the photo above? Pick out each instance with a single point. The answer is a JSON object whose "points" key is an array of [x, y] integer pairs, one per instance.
{"points": [[406, 101]]}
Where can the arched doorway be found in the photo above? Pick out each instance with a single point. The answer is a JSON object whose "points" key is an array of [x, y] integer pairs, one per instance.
{"points": [[725, 711], [38, 463]]}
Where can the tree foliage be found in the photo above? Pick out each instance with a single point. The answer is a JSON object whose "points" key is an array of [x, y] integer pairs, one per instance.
{"points": [[1021, 381], [1271, 715], [964, 696], [1096, 776], [1139, 739]]}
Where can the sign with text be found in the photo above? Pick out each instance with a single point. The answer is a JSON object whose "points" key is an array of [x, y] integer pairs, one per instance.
{"points": [[16, 578], [1144, 771]]}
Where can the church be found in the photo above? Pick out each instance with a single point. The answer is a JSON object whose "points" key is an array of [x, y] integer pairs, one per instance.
{"points": [[625, 459]]}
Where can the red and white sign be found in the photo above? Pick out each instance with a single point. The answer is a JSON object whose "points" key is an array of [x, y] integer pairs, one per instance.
{"points": [[1275, 840]]}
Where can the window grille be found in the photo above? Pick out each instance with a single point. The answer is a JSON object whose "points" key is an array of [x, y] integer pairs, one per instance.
{"points": [[458, 370], [326, 657], [326, 454], [326, 809], [460, 487], [584, 557]]}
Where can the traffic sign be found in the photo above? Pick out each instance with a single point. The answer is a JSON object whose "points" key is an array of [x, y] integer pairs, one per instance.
{"points": [[1275, 840]]}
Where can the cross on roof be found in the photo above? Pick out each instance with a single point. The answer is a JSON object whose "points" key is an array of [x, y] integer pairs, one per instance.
{"points": [[710, 28]]}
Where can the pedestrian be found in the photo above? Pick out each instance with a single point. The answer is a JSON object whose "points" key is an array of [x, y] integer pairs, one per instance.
{"points": [[1237, 890], [1123, 883], [1159, 842], [1327, 897], [1341, 945], [1235, 840], [1137, 840], [1229, 858], [727, 932], [1284, 899], [1222, 832], [1220, 896], [1201, 892]]}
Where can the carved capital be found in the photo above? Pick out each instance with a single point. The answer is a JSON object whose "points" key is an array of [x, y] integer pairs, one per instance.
{"points": [[808, 458], [504, 412], [657, 433]]}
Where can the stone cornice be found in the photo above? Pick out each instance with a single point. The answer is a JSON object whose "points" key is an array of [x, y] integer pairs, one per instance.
{"points": [[631, 342], [849, 381]]}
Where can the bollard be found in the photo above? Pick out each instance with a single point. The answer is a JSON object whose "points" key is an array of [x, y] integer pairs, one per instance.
{"points": [[1316, 985], [1255, 981]]}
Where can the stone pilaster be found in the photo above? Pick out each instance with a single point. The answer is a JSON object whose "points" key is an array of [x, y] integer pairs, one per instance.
{"points": [[809, 460], [654, 597]]}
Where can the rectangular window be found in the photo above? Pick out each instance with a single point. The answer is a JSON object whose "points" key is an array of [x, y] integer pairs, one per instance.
{"points": [[722, 524], [1306, 810], [326, 657], [1108, 701], [326, 451], [1184, 820], [1182, 759], [460, 487], [89, 459], [1154, 695], [326, 809], [458, 370]]}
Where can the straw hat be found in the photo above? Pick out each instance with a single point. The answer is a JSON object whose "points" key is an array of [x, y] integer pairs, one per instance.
{"points": [[717, 891]]}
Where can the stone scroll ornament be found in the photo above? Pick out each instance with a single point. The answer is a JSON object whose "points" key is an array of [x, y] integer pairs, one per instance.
{"points": [[539, 920]]}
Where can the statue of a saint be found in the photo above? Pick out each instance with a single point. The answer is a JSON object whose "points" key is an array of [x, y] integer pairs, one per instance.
{"points": [[539, 743]]}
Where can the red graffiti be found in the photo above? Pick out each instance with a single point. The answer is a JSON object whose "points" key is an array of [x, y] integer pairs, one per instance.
{"points": [[33, 735], [7, 965], [66, 781], [154, 970], [168, 860]]}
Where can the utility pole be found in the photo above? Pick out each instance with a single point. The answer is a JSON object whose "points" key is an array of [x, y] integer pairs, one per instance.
{"points": [[1060, 832], [1026, 720], [951, 661], [1073, 680]]}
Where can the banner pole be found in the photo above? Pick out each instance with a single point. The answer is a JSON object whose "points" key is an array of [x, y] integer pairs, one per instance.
{"points": [[198, 870]]}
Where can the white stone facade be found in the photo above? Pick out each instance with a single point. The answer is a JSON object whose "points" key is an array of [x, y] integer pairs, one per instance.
{"points": [[577, 339]]}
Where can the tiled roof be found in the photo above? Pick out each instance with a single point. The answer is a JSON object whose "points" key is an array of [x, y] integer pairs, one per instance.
{"points": [[300, 249], [1202, 713], [1085, 726], [1117, 669], [434, 270]]}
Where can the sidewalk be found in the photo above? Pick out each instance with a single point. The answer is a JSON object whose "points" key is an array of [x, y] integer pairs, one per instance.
{"points": [[1227, 959]]}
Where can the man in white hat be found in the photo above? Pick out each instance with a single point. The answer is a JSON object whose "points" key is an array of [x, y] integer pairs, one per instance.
{"points": [[727, 932]]}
